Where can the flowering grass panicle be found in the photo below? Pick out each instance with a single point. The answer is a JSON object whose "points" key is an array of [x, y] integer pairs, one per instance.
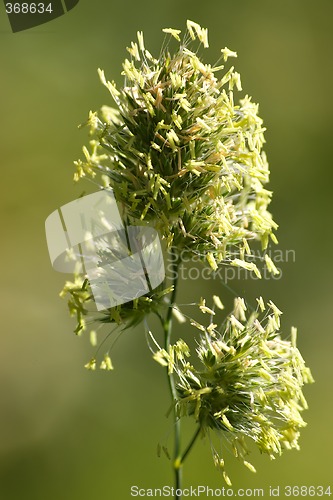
{"points": [[183, 155]]}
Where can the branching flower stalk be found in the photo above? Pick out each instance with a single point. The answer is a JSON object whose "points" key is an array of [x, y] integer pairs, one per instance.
{"points": [[183, 156], [167, 327]]}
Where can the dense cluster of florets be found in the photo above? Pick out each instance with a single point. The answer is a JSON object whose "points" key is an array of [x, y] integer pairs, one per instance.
{"points": [[249, 382], [179, 153]]}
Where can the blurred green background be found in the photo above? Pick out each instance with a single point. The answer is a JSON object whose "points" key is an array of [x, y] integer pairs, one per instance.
{"points": [[69, 434]]}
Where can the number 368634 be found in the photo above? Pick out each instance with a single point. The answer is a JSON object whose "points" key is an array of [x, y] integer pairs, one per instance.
{"points": [[29, 8]]}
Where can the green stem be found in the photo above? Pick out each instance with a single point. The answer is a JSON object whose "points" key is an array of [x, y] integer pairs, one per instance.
{"points": [[190, 445], [167, 326]]}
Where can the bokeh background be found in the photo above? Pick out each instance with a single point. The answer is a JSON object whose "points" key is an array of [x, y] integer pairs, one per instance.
{"points": [[66, 433]]}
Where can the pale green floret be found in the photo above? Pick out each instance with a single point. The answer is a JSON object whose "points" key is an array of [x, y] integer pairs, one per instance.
{"points": [[106, 364], [91, 365], [174, 33], [270, 265], [228, 53], [249, 384], [93, 338], [218, 302]]}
